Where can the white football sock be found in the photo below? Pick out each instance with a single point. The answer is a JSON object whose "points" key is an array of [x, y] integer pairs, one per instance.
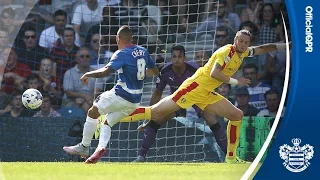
{"points": [[90, 127], [105, 134]]}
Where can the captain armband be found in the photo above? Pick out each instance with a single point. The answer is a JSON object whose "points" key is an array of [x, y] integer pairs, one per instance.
{"points": [[251, 52]]}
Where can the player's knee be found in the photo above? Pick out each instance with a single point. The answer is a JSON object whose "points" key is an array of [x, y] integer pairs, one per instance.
{"points": [[93, 112], [238, 115]]}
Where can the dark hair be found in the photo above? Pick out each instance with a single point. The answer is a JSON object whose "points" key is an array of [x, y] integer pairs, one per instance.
{"points": [[271, 91], [224, 2], [69, 29], [33, 76], [47, 95], [178, 48], [29, 28], [222, 28], [60, 12], [274, 23], [249, 66], [249, 24]]}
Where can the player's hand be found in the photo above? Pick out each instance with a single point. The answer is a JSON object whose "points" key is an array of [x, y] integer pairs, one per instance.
{"points": [[84, 79], [243, 82]]}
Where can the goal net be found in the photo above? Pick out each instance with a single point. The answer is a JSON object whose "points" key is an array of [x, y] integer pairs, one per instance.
{"points": [[158, 25]]}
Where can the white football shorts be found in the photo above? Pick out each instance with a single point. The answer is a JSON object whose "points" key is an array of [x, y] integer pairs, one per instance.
{"points": [[114, 107]]}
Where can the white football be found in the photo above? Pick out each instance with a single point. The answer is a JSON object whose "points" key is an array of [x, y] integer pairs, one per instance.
{"points": [[32, 99]]}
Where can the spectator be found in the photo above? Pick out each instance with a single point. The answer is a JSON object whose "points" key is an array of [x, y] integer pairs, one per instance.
{"points": [[29, 52], [256, 87], [98, 53], [50, 35], [63, 56], [276, 67], [269, 32], [225, 18], [76, 93], [251, 13], [221, 37], [46, 109], [18, 110], [273, 100], [4, 38], [109, 27], [202, 57], [8, 20], [135, 15], [32, 10], [85, 16], [225, 90], [242, 98], [269, 28], [275, 3], [14, 72], [32, 81], [50, 83]]}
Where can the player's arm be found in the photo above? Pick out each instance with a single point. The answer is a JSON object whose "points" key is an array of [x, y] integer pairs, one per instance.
{"points": [[156, 96], [153, 71], [99, 73], [217, 74], [265, 48]]}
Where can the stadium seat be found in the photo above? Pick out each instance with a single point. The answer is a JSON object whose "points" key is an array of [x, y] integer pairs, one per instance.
{"points": [[71, 112]]}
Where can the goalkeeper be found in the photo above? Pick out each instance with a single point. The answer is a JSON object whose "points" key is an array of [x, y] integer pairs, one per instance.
{"points": [[173, 74]]}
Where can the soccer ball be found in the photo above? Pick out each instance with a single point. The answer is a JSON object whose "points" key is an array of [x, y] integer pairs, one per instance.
{"points": [[31, 99]]}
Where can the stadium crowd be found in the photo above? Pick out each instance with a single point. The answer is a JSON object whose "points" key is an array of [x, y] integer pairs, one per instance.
{"points": [[60, 40]]}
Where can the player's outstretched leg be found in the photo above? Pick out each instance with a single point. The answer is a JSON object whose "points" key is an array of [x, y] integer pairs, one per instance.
{"points": [[90, 126], [148, 138], [139, 114], [156, 112]]}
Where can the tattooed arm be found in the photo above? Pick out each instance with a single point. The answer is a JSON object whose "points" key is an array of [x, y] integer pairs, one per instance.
{"points": [[265, 48], [217, 74]]}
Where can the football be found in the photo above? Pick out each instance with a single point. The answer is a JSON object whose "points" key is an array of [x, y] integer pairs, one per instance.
{"points": [[32, 99]]}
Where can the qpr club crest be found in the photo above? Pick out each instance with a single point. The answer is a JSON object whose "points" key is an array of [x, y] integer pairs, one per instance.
{"points": [[296, 158]]}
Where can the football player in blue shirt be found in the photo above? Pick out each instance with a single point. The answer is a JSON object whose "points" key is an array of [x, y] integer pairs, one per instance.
{"points": [[130, 62]]}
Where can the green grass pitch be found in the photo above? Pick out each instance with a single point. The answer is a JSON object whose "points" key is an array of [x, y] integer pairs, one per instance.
{"points": [[125, 171]]}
